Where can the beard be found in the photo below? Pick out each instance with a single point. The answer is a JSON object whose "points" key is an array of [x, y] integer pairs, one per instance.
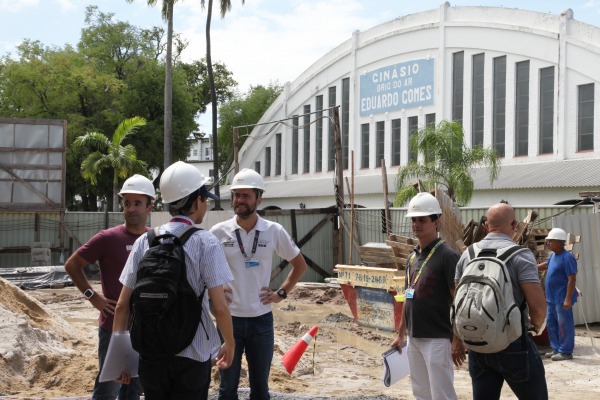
{"points": [[244, 210]]}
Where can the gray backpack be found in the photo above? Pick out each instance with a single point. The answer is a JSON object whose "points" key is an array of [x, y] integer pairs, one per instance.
{"points": [[484, 314]]}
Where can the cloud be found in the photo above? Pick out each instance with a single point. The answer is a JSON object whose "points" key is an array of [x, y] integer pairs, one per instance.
{"points": [[263, 42], [66, 5], [17, 5]]}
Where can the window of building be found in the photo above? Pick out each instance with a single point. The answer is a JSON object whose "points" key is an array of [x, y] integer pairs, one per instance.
{"points": [[211, 172], [477, 101], [546, 135], [499, 106], [345, 120], [268, 161], [330, 140], [278, 154], [295, 144], [413, 128], [458, 70], [306, 135], [380, 145], [257, 166], [195, 152], [430, 124], [319, 134], [430, 120], [585, 117], [207, 151], [396, 142], [522, 109], [364, 142]]}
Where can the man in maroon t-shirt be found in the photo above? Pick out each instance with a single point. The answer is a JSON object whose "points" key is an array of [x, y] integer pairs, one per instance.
{"points": [[110, 248]]}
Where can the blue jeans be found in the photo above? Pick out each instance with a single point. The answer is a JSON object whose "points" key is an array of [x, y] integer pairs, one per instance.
{"points": [[110, 390], [521, 367], [561, 328], [175, 378], [256, 336]]}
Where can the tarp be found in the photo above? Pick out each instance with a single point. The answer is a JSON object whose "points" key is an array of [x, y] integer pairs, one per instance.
{"points": [[37, 277]]}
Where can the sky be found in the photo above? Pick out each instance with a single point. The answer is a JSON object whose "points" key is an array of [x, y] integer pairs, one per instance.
{"points": [[262, 41]]}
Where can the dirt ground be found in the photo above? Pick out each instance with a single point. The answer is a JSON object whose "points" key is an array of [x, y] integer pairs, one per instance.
{"points": [[48, 350]]}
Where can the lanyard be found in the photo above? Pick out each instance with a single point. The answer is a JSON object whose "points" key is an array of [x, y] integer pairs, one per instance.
{"points": [[184, 220], [412, 284], [254, 244]]}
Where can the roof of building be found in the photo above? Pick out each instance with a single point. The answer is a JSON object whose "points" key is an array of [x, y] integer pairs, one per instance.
{"points": [[564, 174]]}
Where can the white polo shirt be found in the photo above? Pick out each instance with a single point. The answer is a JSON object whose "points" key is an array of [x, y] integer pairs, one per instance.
{"points": [[249, 278]]}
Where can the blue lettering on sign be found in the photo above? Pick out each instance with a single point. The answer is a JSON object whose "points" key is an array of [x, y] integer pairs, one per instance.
{"points": [[398, 86]]}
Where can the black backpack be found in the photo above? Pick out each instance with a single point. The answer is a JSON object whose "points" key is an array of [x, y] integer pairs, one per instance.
{"points": [[165, 311]]}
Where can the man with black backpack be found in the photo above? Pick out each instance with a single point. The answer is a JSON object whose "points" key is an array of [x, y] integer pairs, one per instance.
{"points": [[171, 365], [519, 363]]}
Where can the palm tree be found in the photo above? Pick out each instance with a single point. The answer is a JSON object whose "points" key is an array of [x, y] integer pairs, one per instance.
{"points": [[167, 13], [112, 154], [447, 161], [225, 6]]}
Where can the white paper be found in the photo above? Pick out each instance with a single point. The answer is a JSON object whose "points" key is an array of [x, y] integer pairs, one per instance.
{"points": [[120, 357], [395, 365]]}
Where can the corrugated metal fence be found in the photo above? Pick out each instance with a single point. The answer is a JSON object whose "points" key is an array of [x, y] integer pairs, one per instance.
{"points": [[315, 229], [369, 224]]}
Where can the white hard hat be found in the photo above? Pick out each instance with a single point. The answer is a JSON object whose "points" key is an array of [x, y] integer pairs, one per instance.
{"points": [[248, 179], [557, 234], [180, 180], [138, 184], [422, 205]]}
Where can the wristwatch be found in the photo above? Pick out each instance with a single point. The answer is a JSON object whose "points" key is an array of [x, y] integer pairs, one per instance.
{"points": [[89, 293], [282, 293]]}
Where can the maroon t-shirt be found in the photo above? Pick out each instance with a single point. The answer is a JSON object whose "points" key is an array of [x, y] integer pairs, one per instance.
{"points": [[110, 248]]}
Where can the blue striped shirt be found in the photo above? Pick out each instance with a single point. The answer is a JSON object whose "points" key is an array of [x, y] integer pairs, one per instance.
{"points": [[206, 266]]}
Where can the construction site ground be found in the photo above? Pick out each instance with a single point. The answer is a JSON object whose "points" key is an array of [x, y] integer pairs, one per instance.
{"points": [[49, 337]]}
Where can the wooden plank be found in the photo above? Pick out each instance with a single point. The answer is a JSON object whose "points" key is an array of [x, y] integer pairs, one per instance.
{"points": [[403, 239], [366, 276]]}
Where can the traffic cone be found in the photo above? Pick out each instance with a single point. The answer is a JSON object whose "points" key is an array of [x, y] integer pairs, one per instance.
{"points": [[291, 358]]}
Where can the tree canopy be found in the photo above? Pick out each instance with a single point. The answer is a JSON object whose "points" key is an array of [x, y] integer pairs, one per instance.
{"points": [[112, 154], [115, 72], [444, 160], [243, 109]]}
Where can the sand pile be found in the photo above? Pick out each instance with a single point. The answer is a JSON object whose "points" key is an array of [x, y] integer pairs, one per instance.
{"points": [[37, 346]]}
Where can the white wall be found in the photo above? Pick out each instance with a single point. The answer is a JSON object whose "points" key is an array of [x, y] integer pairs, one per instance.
{"points": [[543, 39]]}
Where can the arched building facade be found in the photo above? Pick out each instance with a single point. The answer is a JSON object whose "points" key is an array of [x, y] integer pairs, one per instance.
{"points": [[521, 82]]}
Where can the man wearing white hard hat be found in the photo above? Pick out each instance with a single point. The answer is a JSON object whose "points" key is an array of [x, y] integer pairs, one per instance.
{"points": [[429, 289], [560, 295], [249, 242], [187, 374], [110, 248]]}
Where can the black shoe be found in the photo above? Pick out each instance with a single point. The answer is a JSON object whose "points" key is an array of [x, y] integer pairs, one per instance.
{"points": [[562, 357], [552, 354]]}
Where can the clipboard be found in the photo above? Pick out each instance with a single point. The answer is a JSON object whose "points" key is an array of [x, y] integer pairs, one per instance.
{"points": [[120, 357], [395, 365]]}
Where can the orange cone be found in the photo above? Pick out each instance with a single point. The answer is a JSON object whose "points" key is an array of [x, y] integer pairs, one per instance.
{"points": [[291, 358]]}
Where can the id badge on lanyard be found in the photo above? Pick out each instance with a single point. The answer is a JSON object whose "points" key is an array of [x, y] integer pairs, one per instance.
{"points": [[249, 261], [252, 262]]}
